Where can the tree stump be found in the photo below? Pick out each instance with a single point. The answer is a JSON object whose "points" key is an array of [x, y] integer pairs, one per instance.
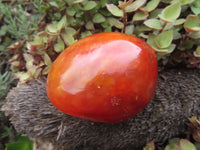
{"points": [[177, 97]]}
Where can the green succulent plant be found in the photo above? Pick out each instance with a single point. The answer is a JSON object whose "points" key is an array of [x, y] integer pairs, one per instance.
{"points": [[174, 144], [171, 27]]}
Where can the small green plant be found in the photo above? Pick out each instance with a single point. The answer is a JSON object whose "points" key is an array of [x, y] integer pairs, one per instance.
{"points": [[39, 35], [174, 26], [7, 132], [18, 23], [6, 82], [23, 143], [171, 27], [174, 144], [195, 128]]}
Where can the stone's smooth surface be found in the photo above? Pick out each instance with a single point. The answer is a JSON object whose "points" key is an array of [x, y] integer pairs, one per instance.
{"points": [[106, 77]]}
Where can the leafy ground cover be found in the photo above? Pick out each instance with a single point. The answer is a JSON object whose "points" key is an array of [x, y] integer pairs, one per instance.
{"points": [[33, 33]]}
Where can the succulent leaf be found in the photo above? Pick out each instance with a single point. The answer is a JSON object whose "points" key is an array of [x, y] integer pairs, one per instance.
{"points": [[140, 16], [54, 4], [186, 45], [151, 5], [89, 25], [192, 23], [59, 46], [182, 2], [197, 54], [71, 11], [70, 31], [155, 13], [195, 10], [86, 33], [108, 29], [143, 28], [38, 41], [168, 26], [113, 9], [176, 35], [98, 18], [23, 76], [151, 41], [46, 70], [135, 6], [47, 60], [129, 29], [77, 1], [194, 35], [171, 13], [115, 22], [68, 40], [149, 146], [56, 27], [179, 22], [154, 24], [173, 144], [89, 5], [186, 145], [62, 23], [29, 60]]}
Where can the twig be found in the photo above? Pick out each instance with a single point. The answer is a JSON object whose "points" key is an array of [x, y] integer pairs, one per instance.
{"points": [[124, 21]]}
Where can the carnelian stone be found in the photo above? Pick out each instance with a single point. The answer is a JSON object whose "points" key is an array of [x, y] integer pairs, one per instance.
{"points": [[105, 77]]}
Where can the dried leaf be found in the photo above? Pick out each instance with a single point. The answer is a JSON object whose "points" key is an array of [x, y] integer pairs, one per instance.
{"points": [[123, 5]]}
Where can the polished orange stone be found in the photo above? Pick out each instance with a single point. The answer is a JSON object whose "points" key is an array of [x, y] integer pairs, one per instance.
{"points": [[105, 77]]}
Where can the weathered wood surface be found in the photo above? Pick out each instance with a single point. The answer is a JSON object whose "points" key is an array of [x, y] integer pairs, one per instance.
{"points": [[177, 98]]}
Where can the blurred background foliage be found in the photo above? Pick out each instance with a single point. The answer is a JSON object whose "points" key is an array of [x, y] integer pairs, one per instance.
{"points": [[34, 32], [43, 29]]}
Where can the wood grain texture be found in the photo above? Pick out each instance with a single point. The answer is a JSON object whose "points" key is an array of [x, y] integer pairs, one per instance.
{"points": [[177, 98]]}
